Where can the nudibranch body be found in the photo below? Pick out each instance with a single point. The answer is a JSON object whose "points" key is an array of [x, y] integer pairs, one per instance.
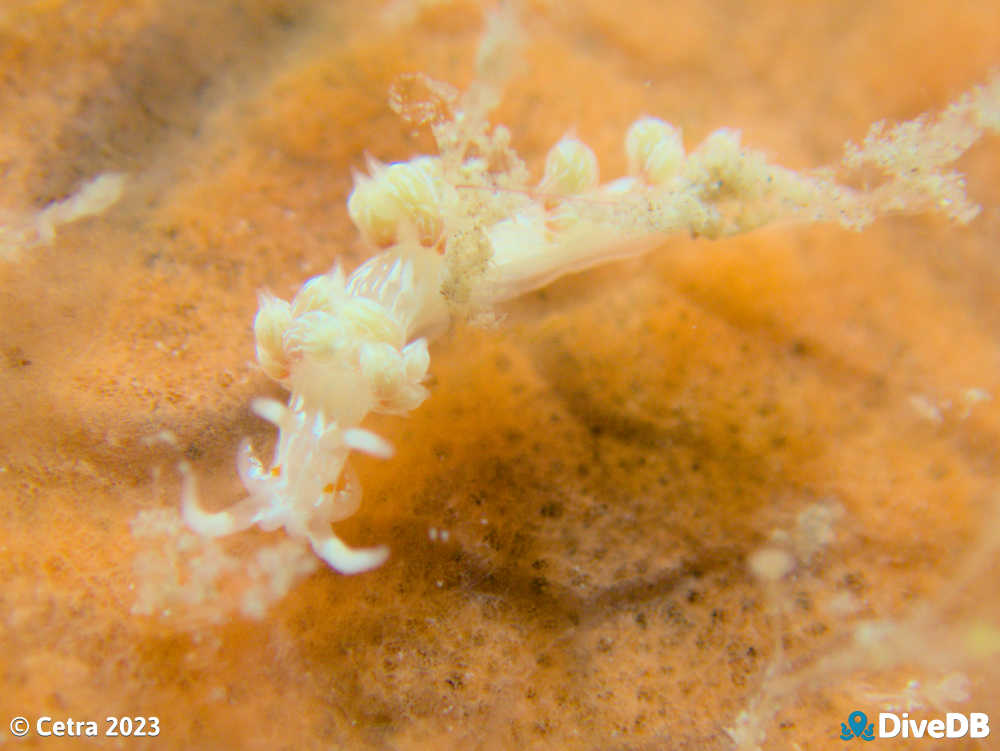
{"points": [[466, 230], [461, 236]]}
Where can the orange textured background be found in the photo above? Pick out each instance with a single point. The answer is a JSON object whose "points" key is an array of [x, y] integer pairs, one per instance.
{"points": [[604, 461]]}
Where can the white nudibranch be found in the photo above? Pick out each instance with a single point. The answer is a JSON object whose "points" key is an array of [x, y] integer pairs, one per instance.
{"points": [[461, 233], [455, 235], [345, 347]]}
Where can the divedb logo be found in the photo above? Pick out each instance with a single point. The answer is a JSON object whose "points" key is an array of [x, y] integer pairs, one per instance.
{"points": [[892, 725]]}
